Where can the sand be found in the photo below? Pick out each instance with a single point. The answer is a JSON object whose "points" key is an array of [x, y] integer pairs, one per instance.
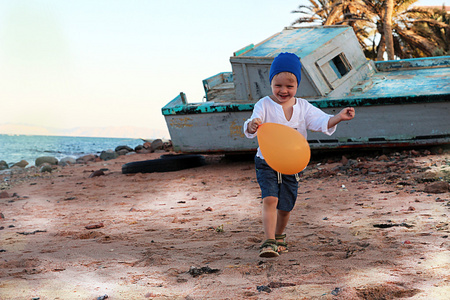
{"points": [[363, 228]]}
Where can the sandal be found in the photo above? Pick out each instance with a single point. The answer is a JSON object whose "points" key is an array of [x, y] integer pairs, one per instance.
{"points": [[269, 249], [283, 244]]}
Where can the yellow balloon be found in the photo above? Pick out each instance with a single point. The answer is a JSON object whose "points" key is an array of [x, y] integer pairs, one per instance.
{"points": [[285, 149]]}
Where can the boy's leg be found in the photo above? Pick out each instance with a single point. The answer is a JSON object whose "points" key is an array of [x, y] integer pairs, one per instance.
{"points": [[286, 202], [270, 216], [269, 248], [282, 221]]}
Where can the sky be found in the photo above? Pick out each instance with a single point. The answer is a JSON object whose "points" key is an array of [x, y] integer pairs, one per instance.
{"points": [[115, 64]]}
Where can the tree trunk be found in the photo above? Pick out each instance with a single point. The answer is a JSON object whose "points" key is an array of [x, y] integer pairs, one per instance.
{"points": [[418, 41], [380, 49], [389, 40]]}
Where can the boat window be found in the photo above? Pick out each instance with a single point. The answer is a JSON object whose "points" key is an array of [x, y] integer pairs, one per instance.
{"points": [[339, 66], [334, 67]]}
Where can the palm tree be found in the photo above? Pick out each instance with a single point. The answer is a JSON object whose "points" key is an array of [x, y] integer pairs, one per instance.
{"points": [[387, 24], [336, 12], [318, 12], [386, 18], [380, 25], [434, 26]]}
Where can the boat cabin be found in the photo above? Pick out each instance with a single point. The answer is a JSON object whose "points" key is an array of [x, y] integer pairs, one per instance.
{"points": [[332, 62]]}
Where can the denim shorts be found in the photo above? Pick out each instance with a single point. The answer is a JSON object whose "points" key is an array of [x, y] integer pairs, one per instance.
{"points": [[286, 191]]}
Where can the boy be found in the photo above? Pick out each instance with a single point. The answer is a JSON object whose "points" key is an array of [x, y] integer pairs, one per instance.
{"points": [[279, 191]]}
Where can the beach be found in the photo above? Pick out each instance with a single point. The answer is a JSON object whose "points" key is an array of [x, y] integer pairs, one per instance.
{"points": [[373, 226]]}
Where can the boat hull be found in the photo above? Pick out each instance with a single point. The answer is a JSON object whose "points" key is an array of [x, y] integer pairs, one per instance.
{"points": [[374, 126], [210, 133]]}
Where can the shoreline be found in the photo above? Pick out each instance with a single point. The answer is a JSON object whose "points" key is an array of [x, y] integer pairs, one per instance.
{"points": [[147, 146]]}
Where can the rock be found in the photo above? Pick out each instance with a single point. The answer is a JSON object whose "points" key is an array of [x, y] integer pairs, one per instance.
{"points": [[21, 164], [4, 194], [119, 148], [144, 151], [199, 271], [168, 145], [87, 158], [67, 161], [97, 173], [150, 295], [437, 173], [437, 187], [352, 162], [3, 165], [415, 153], [123, 152], [109, 154], [383, 158], [157, 144], [263, 288], [46, 159], [138, 148], [95, 226], [46, 167]]}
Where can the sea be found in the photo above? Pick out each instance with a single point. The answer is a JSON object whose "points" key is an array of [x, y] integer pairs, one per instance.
{"points": [[14, 148]]}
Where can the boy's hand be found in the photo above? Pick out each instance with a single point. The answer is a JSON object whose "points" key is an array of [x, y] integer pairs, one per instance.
{"points": [[253, 125], [347, 113]]}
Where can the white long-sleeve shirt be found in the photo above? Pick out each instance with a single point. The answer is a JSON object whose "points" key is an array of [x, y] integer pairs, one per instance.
{"points": [[305, 116]]}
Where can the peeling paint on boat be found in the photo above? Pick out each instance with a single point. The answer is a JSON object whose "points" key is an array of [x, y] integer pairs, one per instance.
{"points": [[181, 122], [236, 130]]}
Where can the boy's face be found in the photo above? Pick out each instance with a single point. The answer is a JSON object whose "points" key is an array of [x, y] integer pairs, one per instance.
{"points": [[284, 86]]}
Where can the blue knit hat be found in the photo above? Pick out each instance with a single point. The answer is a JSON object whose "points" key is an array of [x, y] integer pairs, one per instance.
{"points": [[286, 62]]}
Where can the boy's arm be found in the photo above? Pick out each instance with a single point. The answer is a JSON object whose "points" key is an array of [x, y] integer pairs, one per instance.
{"points": [[344, 115], [253, 125]]}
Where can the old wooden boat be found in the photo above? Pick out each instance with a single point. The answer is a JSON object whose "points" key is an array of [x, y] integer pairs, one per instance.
{"points": [[398, 103]]}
